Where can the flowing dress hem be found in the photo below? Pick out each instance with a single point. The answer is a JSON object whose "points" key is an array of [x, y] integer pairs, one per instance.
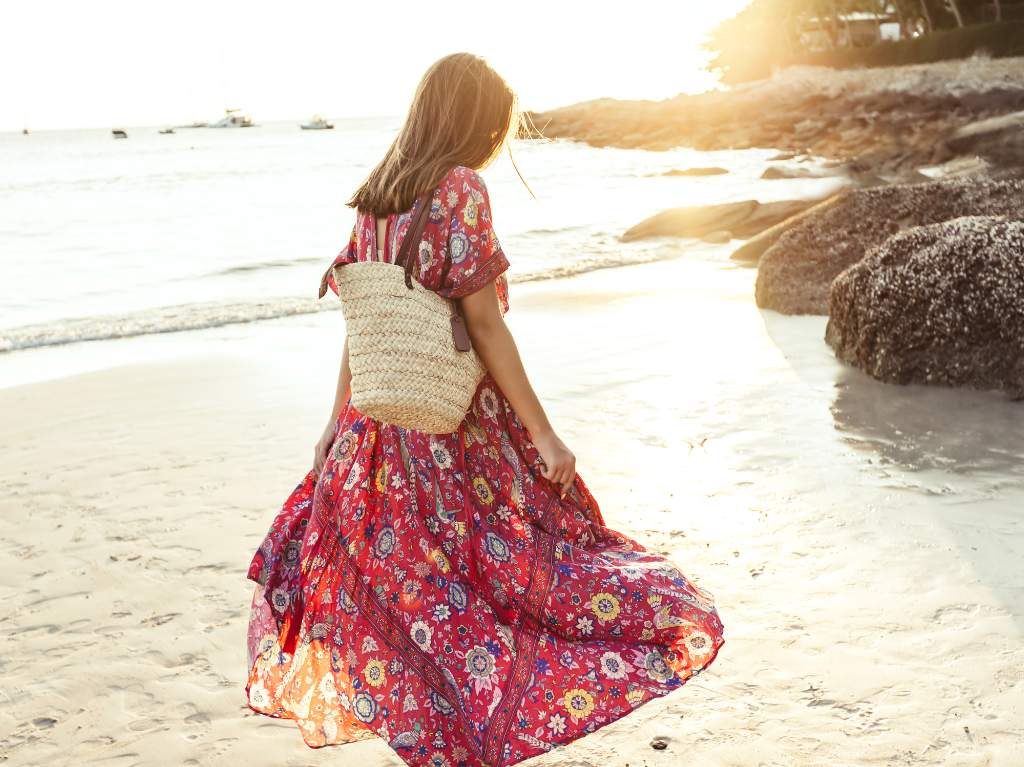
{"points": [[368, 733]]}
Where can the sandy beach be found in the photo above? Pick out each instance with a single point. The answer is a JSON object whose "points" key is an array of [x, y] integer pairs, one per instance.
{"points": [[863, 541]]}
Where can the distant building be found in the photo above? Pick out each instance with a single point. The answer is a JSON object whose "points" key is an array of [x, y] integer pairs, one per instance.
{"points": [[857, 30]]}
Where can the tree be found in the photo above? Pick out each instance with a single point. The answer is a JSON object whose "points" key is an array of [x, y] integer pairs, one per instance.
{"points": [[927, 16], [751, 43], [954, 8]]}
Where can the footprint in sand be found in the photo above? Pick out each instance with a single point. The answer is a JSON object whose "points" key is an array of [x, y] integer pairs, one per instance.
{"points": [[196, 721], [148, 725], [159, 620]]}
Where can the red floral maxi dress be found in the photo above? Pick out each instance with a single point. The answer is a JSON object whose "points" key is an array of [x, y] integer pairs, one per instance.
{"points": [[434, 590]]}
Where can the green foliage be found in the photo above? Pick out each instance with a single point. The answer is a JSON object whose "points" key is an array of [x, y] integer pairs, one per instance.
{"points": [[764, 36], [996, 40]]}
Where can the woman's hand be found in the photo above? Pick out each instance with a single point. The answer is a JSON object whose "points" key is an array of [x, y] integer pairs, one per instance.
{"points": [[323, 445], [341, 396], [559, 462], [494, 344]]}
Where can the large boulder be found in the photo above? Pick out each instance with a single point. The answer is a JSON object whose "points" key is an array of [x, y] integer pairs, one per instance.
{"points": [[794, 274], [752, 250], [693, 221], [741, 219], [938, 304], [998, 139]]}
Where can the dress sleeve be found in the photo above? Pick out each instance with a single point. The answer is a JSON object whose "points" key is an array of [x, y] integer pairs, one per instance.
{"points": [[475, 257], [346, 256]]}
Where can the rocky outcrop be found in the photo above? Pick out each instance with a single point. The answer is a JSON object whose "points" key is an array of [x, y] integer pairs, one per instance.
{"points": [[717, 237], [939, 304], [740, 219], [712, 171], [752, 250], [893, 119], [783, 171], [1000, 140], [795, 273]]}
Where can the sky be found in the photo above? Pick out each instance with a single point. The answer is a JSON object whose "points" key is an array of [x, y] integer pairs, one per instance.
{"points": [[109, 63]]}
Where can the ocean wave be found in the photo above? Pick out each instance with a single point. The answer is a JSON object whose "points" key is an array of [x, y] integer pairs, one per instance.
{"points": [[582, 266], [163, 319], [255, 266], [554, 230], [199, 316]]}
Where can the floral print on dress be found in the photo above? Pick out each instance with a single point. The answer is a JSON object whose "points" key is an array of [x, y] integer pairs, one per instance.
{"points": [[435, 590], [458, 226]]}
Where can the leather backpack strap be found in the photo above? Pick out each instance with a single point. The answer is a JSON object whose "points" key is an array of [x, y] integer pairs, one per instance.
{"points": [[460, 335], [411, 241]]}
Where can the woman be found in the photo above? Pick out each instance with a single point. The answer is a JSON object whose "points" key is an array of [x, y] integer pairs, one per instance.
{"points": [[458, 594]]}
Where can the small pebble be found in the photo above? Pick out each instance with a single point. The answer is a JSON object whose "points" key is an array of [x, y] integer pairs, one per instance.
{"points": [[659, 744]]}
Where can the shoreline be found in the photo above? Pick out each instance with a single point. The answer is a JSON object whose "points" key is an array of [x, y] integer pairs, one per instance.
{"points": [[878, 124], [37, 364], [867, 574], [934, 158]]}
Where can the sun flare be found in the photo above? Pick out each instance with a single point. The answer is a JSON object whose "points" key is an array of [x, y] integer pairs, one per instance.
{"points": [[139, 64]]}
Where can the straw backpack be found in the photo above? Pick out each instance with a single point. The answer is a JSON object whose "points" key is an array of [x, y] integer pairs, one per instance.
{"points": [[411, 358]]}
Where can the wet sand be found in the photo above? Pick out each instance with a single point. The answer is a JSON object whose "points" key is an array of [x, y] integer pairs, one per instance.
{"points": [[864, 543]]}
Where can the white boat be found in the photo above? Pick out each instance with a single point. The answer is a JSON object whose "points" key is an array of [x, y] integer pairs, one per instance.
{"points": [[233, 119], [317, 123]]}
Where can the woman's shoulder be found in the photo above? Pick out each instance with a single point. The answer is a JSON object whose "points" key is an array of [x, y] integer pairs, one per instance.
{"points": [[463, 180], [464, 173], [463, 253]]}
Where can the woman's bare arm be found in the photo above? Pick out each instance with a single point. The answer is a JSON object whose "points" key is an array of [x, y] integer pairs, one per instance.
{"points": [[344, 382], [340, 397], [497, 349]]}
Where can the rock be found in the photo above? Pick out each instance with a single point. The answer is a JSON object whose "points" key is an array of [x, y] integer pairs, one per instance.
{"points": [[782, 156], [717, 237], [997, 139], [808, 128], [781, 171], [794, 274], [691, 222], [713, 171], [659, 743], [962, 166], [905, 111], [740, 219], [752, 249], [768, 214], [938, 304]]}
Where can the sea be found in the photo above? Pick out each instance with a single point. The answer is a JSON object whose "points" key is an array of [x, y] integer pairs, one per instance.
{"points": [[105, 239]]}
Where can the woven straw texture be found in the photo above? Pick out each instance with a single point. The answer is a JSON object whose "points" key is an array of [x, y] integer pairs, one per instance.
{"points": [[405, 368]]}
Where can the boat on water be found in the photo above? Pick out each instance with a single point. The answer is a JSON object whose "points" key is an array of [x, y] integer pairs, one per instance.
{"points": [[317, 123], [118, 133], [233, 118], [165, 131]]}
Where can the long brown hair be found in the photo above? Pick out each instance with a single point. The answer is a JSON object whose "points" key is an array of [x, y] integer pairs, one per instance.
{"points": [[463, 113]]}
